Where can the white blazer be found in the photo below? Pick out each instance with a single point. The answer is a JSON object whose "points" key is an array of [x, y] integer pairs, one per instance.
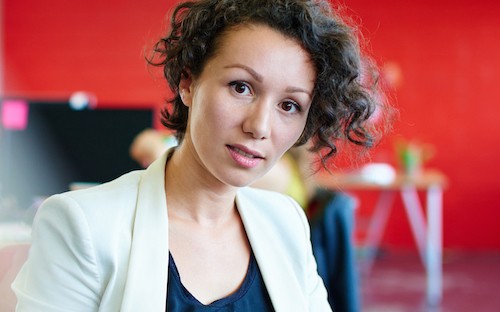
{"points": [[106, 249]]}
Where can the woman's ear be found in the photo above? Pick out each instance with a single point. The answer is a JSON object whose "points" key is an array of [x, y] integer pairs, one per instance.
{"points": [[185, 88]]}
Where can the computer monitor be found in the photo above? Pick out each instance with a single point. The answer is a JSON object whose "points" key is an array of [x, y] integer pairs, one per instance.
{"points": [[61, 146]]}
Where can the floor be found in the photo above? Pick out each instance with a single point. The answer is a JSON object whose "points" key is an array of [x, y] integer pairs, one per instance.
{"points": [[396, 283]]}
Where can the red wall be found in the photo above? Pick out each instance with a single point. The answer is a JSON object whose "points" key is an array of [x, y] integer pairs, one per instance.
{"points": [[55, 47], [448, 53]]}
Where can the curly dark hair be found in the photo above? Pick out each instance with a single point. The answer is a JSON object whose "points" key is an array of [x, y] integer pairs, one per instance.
{"points": [[345, 93]]}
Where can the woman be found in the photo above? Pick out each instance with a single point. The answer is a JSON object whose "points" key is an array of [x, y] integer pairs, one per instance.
{"points": [[251, 79]]}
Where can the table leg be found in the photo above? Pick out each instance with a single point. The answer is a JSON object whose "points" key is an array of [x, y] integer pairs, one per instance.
{"points": [[434, 245], [416, 218], [376, 228]]}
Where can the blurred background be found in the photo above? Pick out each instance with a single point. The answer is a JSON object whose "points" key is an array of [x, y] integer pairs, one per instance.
{"points": [[440, 60]]}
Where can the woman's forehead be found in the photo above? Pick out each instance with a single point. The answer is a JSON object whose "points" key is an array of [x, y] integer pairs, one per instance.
{"points": [[264, 51]]}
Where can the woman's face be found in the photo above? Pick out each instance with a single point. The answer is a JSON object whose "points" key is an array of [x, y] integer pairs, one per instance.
{"points": [[249, 105]]}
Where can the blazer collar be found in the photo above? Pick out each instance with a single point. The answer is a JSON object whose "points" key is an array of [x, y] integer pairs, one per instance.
{"points": [[274, 262], [146, 285]]}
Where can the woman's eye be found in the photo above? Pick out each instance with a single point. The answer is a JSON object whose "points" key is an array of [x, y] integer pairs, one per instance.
{"points": [[290, 106], [240, 87]]}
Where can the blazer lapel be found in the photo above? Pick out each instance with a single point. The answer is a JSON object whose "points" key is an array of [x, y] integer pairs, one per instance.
{"points": [[274, 261], [146, 286]]}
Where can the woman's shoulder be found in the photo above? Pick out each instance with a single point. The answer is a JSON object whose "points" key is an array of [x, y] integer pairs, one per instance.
{"points": [[100, 216], [107, 194], [114, 196], [98, 208]]}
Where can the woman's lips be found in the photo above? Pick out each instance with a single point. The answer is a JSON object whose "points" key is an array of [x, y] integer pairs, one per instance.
{"points": [[244, 157]]}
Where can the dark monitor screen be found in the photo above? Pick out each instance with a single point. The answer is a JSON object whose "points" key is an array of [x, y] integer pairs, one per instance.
{"points": [[61, 146]]}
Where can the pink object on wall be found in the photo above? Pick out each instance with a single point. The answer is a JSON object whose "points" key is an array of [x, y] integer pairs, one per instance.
{"points": [[14, 114]]}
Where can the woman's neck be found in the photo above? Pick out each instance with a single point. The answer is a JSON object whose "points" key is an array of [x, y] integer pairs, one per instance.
{"points": [[192, 195]]}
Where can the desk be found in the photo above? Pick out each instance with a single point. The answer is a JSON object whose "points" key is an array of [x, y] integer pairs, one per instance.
{"points": [[14, 233], [427, 231]]}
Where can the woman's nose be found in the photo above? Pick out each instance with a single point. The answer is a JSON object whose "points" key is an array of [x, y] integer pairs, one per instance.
{"points": [[258, 120]]}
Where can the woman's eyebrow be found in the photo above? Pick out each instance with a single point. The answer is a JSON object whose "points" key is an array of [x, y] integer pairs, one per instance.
{"points": [[252, 72], [296, 89]]}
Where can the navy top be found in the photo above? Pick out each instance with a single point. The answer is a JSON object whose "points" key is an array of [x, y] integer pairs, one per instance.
{"points": [[251, 296]]}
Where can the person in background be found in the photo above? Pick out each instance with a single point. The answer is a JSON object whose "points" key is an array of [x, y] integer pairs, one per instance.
{"points": [[250, 79], [149, 145], [291, 175]]}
